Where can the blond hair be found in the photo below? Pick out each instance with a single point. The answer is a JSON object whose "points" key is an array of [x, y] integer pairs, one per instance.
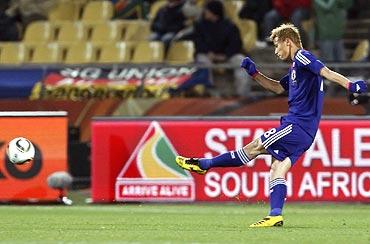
{"points": [[285, 31]]}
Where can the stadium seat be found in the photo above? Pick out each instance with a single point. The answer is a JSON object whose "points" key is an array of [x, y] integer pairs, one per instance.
{"points": [[65, 10], [181, 52], [361, 51], [155, 7], [232, 9], [148, 52], [80, 4], [119, 52], [136, 30], [97, 11], [71, 32], [200, 3], [81, 53], [50, 53], [111, 31], [2, 44], [14, 53], [39, 32], [248, 32]]}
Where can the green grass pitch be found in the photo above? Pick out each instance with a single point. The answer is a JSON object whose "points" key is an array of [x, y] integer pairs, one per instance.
{"points": [[183, 223]]}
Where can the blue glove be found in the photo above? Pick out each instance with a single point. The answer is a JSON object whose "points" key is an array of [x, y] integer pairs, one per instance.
{"points": [[249, 66], [359, 86]]}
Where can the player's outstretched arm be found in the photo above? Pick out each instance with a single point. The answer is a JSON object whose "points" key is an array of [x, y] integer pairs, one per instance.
{"points": [[359, 86], [270, 84]]}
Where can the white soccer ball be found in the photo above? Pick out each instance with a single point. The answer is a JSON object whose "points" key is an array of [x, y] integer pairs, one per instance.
{"points": [[20, 150]]}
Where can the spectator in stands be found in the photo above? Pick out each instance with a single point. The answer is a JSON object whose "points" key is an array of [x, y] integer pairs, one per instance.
{"points": [[131, 9], [256, 10], [294, 11], [8, 25], [168, 21], [330, 26], [217, 40], [192, 12], [30, 10]]}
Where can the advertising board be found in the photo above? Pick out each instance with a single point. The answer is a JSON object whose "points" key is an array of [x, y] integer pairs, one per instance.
{"points": [[134, 160], [48, 133]]}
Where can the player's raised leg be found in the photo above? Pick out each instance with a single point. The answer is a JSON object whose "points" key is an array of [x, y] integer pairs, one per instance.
{"points": [[236, 158], [278, 191]]}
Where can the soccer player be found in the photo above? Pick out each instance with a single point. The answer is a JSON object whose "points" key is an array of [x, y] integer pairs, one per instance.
{"points": [[297, 130]]}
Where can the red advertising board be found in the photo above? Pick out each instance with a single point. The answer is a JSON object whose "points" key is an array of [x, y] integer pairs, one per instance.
{"points": [[133, 160], [48, 133]]}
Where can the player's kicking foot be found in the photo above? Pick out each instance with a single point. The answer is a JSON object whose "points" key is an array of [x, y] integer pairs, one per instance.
{"points": [[269, 221], [191, 164]]}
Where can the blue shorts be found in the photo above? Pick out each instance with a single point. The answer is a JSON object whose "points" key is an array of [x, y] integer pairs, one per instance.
{"points": [[287, 140]]}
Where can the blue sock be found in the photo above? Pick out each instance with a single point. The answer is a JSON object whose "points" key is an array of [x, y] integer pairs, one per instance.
{"points": [[230, 159], [277, 196]]}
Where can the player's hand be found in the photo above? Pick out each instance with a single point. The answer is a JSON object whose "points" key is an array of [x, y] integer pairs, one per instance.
{"points": [[249, 66], [359, 86]]}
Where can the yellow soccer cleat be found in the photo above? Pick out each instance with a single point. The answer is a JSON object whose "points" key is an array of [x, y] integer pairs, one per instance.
{"points": [[191, 164], [269, 221]]}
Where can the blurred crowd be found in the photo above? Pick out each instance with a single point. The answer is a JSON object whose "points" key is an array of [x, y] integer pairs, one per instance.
{"points": [[217, 36], [216, 33], [205, 22], [15, 15]]}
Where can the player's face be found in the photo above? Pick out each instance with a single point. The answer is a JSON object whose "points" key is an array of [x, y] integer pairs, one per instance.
{"points": [[282, 49]]}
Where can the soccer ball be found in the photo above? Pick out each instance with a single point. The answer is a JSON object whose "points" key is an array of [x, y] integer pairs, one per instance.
{"points": [[20, 150]]}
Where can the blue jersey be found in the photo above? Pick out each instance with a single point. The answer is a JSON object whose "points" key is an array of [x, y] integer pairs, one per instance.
{"points": [[305, 88]]}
